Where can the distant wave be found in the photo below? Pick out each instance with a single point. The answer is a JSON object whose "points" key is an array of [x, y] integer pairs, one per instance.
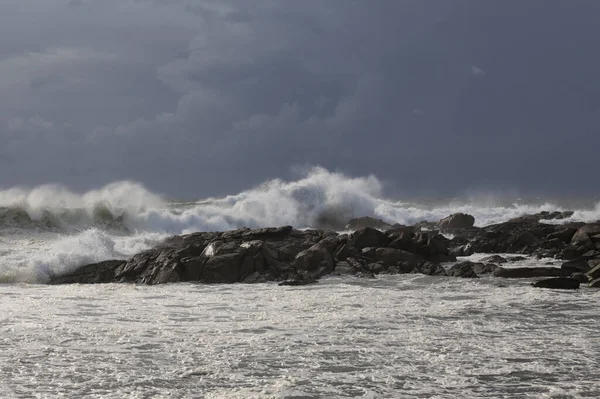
{"points": [[49, 229], [319, 199]]}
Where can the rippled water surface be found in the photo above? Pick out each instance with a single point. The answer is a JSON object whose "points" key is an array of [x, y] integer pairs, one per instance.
{"points": [[390, 337]]}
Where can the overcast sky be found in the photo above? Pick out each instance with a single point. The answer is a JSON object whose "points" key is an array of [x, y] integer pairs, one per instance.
{"points": [[207, 97]]}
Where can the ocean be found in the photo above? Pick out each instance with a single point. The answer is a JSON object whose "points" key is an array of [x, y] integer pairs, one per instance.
{"points": [[387, 337]]}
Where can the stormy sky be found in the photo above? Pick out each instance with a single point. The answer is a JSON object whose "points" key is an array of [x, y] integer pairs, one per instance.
{"points": [[207, 97]]}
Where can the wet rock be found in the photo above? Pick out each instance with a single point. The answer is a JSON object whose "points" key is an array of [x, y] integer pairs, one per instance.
{"points": [[315, 259], [563, 283], [366, 221], [493, 259], [457, 221], [369, 237], [431, 269], [595, 283], [463, 269], [484, 268], [530, 272], [298, 282], [594, 273], [581, 277], [102, 272], [576, 266], [583, 234]]}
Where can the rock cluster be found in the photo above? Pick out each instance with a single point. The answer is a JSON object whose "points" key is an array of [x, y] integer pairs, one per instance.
{"points": [[296, 257]]}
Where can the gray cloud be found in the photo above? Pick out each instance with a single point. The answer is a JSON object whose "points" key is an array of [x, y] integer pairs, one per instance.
{"points": [[208, 97]]}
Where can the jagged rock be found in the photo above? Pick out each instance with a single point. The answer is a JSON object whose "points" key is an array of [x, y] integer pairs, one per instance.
{"points": [[581, 277], [582, 236], [431, 269], [366, 221], [530, 272], [484, 268], [369, 237], [493, 259], [298, 281], [316, 260], [91, 274], [344, 268], [463, 269], [563, 283], [457, 221], [527, 238], [391, 256], [576, 266], [594, 273], [564, 235]]}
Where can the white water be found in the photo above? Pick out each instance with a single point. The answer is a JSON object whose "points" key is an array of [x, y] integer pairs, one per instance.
{"points": [[50, 229], [396, 336], [406, 336]]}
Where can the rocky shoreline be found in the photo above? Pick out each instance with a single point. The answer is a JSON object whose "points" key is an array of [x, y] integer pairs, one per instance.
{"points": [[297, 257]]}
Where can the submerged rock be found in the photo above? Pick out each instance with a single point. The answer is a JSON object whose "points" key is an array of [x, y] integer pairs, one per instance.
{"points": [[563, 283], [530, 272], [463, 269]]}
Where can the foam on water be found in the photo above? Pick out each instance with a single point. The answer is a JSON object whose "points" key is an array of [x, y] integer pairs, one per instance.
{"points": [[64, 229], [406, 336]]}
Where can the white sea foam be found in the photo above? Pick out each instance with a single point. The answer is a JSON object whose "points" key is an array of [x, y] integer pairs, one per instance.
{"points": [[319, 198], [49, 229]]}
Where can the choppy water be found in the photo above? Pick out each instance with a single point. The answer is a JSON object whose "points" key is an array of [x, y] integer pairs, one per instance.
{"points": [[392, 337]]}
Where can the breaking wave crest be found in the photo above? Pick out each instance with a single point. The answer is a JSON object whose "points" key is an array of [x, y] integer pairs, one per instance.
{"points": [[50, 229], [319, 199]]}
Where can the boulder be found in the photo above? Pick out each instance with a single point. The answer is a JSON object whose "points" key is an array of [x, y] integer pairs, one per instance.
{"points": [[583, 234], [366, 221], [563, 283], [431, 269], [463, 269], [484, 268], [530, 272], [102, 272], [594, 273], [316, 260], [369, 237], [576, 266], [457, 221], [493, 259]]}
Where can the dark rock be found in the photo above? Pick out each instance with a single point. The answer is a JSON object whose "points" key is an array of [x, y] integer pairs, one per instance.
{"points": [[563, 283], [391, 256], [342, 253], [581, 277], [315, 259], [431, 269], [583, 234], [463, 269], [493, 259], [594, 273], [565, 235], [457, 221], [344, 268], [527, 238], [595, 283], [484, 268], [366, 221], [576, 266], [102, 272], [530, 272], [369, 237], [298, 282]]}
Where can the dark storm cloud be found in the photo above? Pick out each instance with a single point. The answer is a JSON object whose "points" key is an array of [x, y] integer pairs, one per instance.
{"points": [[206, 97]]}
